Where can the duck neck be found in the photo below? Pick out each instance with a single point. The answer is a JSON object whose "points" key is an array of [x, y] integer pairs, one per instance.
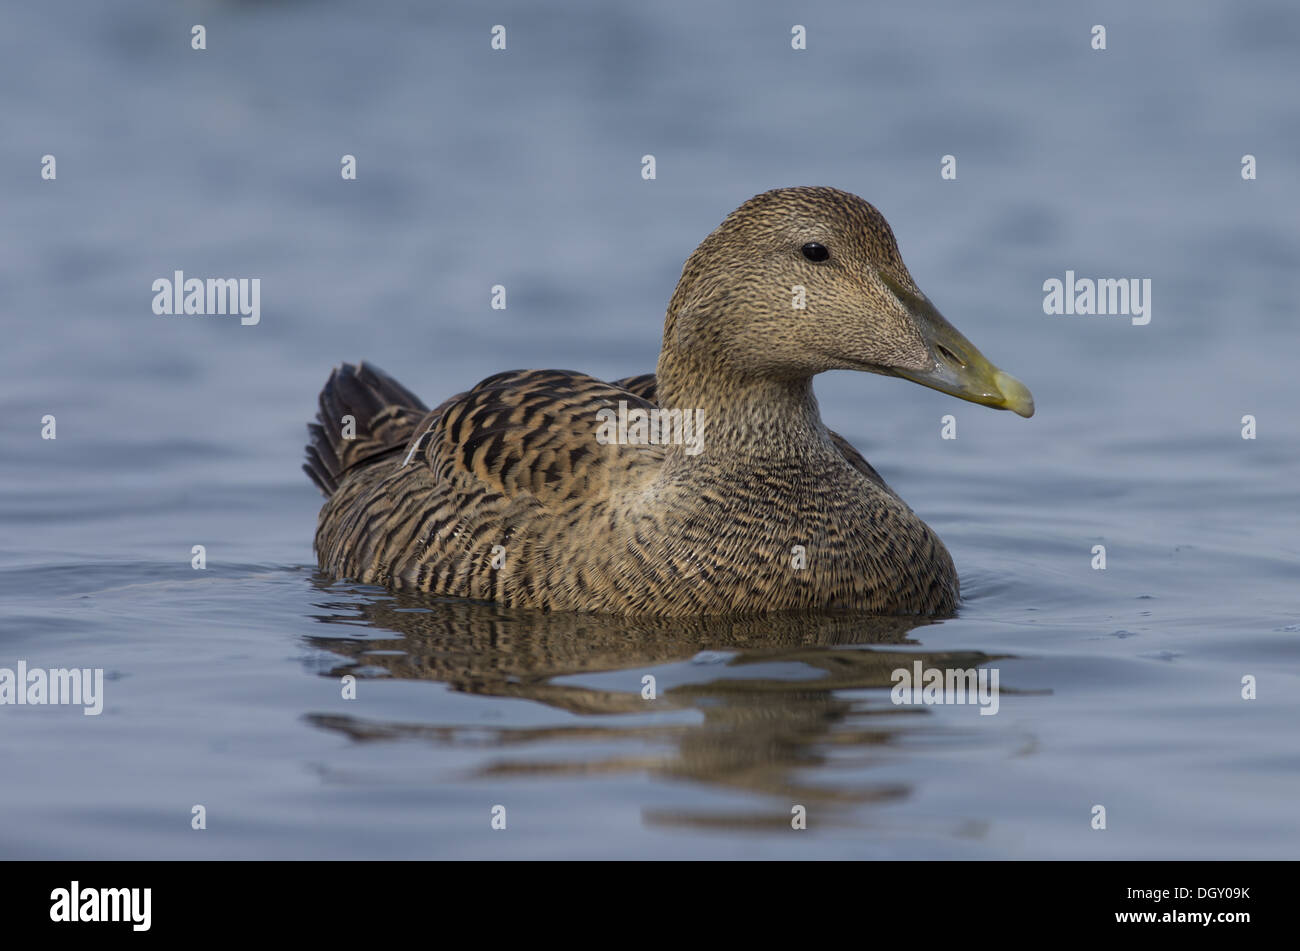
{"points": [[744, 419]]}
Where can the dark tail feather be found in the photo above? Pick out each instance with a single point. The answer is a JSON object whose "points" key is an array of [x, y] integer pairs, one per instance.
{"points": [[386, 415]]}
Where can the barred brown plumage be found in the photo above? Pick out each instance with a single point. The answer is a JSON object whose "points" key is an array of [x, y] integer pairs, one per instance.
{"points": [[524, 490]]}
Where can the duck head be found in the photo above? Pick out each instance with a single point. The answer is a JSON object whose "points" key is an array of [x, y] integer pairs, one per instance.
{"points": [[797, 281]]}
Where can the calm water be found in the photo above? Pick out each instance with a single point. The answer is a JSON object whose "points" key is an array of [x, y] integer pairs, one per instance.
{"points": [[1119, 687]]}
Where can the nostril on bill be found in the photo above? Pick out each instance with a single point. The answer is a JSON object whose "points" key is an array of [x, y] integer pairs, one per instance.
{"points": [[949, 355]]}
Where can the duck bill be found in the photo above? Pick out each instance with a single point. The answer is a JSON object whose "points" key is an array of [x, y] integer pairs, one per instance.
{"points": [[958, 368]]}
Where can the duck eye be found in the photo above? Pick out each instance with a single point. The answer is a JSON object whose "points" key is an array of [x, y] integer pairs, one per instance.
{"points": [[815, 252]]}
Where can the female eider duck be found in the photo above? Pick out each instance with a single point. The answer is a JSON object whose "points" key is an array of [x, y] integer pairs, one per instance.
{"points": [[524, 491]]}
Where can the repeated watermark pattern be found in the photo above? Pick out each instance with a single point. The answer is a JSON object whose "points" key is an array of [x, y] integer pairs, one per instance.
{"points": [[1103, 297], [929, 686], [55, 686], [651, 427], [215, 296], [918, 684]]}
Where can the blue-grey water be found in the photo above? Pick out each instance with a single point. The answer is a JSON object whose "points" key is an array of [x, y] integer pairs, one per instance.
{"points": [[1120, 687]]}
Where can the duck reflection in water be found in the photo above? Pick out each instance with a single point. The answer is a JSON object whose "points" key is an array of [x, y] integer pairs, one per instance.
{"points": [[778, 696]]}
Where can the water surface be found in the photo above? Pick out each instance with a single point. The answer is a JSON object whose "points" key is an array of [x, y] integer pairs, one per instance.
{"points": [[1119, 687]]}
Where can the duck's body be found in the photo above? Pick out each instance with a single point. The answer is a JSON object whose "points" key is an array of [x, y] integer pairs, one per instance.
{"points": [[620, 528], [514, 491]]}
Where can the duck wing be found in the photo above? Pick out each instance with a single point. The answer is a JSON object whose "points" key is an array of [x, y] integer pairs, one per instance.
{"points": [[532, 434], [518, 460]]}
